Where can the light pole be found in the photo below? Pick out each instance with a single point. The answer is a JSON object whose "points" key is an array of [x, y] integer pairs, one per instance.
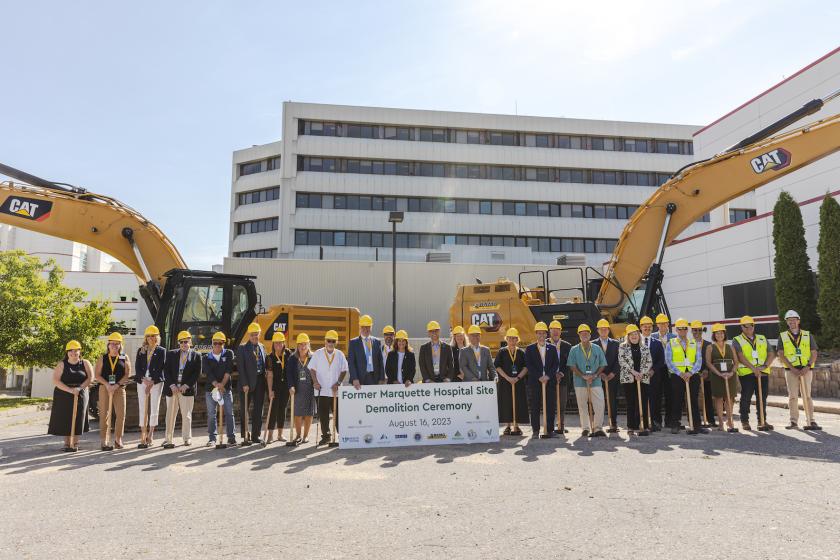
{"points": [[395, 218]]}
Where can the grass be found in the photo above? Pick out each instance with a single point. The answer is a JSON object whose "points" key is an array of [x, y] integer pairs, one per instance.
{"points": [[9, 403]]}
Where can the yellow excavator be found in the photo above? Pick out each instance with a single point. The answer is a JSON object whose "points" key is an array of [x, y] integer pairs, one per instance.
{"points": [[631, 284], [200, 302]]}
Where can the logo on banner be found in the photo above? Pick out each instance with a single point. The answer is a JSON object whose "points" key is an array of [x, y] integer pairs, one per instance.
{"points": [[471, 434], [345, 439], [27, 208], [436, 436], [457, 436], [383, 437], [401, 436], [368, 438], [773, 160], [417, 436]]}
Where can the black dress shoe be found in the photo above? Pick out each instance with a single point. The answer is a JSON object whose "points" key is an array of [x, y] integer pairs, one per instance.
{"points": [[813, 426], [169, 446], [323, 441], [585, 433], [657, 427], [506, 431], [599, 433]]}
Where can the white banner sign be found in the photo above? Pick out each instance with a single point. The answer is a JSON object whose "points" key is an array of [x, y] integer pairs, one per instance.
{"points": [[424, 414]]}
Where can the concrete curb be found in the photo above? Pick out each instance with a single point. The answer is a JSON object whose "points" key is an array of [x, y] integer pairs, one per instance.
{"points": [[824, 409], [25, 409]]}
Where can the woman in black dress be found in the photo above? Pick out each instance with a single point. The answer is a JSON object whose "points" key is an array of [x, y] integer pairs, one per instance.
{"points": [[510, 365], [278, 388], [71, 377], [300, 385]]}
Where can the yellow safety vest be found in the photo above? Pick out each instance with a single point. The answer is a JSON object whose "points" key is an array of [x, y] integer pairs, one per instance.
{"points": [[759, 357], [682, 357], [798, 356]]}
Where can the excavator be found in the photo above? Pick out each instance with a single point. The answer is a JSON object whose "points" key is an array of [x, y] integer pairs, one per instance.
{"points": [[630, 285]]}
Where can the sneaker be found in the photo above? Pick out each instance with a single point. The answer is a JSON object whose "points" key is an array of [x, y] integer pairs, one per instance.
{"points": [[792, 426], [211, 443]]}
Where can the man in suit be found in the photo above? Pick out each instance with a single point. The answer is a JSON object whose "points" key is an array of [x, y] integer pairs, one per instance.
{"points": [[659, 371], [181, 370], [365, 356], [250, 362], [543, 364], [475, 361], [436, 363], [562, 377], [610, 373]]}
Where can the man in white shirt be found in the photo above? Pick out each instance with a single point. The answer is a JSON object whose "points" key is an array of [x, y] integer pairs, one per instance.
{"points": [[327, 367], [388, 334]]}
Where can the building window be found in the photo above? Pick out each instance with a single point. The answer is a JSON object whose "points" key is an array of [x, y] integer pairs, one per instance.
{"points": [[250, 168], [257, 226], [257, 254], [740, 214], [262, 195], [273, 163]]}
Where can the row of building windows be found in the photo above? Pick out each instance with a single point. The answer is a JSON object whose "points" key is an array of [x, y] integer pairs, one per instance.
{"points": [[739, 215], [259, 166], [262, 195], [495, 137], [257, 254], [470, 171], [257, 226], [326, 238]]}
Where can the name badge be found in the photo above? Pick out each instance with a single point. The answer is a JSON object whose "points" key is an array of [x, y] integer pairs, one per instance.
{"points": [[589, 372], [798, 352], [723, 366], [513, 370], [112, 379], [755, 354], [180, 378], [437, 368]]}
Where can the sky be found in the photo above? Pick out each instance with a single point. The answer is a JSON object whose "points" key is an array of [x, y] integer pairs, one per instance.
{"points": [[146, 101]]}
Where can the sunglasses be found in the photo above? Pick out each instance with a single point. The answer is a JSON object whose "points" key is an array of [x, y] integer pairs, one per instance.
{"points": [[331, 341], [682, 328], [217, 344], [183, 342]]}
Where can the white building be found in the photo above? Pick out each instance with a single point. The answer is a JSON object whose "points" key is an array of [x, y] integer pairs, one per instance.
{"points": [[475, 188], [727, 272]]}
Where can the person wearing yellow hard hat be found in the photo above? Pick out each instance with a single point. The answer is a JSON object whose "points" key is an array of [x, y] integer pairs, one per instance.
{"points": [[112, 373], [724, 385], [510, 367], [388, 334], [435, 357], [635, 365], [183, 366], [328, 368], [301, 388], [149, 375], [658, 374], [458, 341], [707, 407], [798, 353], [754, 357], [71, 377], [661, 387], [684, 360], [278, 388], [401, 365], [610, 374], [587, 362], [217, 365], [563, 377], [251, 365], [475, 362], [365, 356], [542, 365]]}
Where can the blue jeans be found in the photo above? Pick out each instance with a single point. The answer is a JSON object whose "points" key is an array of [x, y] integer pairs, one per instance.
{"points": [[212, 416]]}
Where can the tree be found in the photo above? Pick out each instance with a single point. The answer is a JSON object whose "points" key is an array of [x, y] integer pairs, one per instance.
{"points": [[828, 302], [795, 286], [38, 314]]}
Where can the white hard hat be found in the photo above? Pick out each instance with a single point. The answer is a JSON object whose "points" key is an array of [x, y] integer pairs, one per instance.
{"points": [[791, 313]]}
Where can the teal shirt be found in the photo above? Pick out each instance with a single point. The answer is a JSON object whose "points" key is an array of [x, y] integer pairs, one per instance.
{"points": [[593, 363]]}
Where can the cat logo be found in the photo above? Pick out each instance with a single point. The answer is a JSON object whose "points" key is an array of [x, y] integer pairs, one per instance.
{"points": [[27, 208], [280, 324], [489, 322], [771, 161]]}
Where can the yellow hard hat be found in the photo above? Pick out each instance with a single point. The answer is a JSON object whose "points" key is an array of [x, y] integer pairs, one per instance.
{"points": [[254, 328], [583, 327], [718, 327], [151, 330], [278, 337], [458, 330], [681, 324], [603, 323], [387, 330], [184, 335], [331, 335], [115, 337], [662, 318], [630, 329], [301, 338], [540, 327], [645, 321], [697, 324], [512, 332], [747, 320], [72, 345], [365, 321], [474, 329], [432, 326], [555, 325], [401, 335], [219, 337]]}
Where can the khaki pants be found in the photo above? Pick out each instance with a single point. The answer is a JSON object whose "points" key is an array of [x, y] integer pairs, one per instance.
{"points": [[581, 394], [173, 405], [792, 380], [118, 405]]}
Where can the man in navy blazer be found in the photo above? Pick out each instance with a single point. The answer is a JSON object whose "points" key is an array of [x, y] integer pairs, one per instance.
{"points": [[610, 374], [543, 364], [657, 354], [364, 356]]}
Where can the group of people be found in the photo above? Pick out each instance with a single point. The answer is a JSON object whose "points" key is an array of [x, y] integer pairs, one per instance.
{"points": [[648, 366]]}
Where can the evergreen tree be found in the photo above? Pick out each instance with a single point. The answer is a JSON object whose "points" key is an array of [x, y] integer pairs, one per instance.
{"points": [[795, 287], [829, 269]]}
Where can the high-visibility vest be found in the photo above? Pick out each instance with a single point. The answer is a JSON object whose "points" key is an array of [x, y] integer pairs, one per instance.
{"points": [[683, 359], [798, 356], [747, 350]]}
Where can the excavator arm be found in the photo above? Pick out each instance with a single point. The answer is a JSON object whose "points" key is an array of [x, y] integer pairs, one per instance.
{"points": [[95, 220], [699, 188]]}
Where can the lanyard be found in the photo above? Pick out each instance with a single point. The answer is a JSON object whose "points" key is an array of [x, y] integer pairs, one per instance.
{"points": [[721, 350], [113, 364], [329, 360], [795, 340], [183, 361], [281, 359], [512, 355], [587, 356]]}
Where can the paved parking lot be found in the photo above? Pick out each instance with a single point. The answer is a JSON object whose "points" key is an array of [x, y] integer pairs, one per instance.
{"points": [[757, 495]]}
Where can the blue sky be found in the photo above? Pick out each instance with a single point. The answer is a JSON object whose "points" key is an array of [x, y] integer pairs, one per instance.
{"points": [[145, 101]]}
